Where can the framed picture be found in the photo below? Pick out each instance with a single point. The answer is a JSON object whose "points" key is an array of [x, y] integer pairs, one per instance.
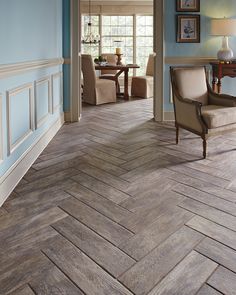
{"points": [[188, 28], [188, 5]]}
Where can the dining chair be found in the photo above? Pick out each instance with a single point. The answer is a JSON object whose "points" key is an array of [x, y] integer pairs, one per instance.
{"points": [[197, 108], [142, 86], [110, 74], [95, 91]]}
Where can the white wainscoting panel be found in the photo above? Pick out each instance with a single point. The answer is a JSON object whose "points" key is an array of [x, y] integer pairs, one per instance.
{"points": [[20, 115], [57, 90], [43, 100]]}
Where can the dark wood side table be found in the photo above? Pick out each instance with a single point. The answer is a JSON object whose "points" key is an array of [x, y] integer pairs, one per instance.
{"points": [[220, 70]]}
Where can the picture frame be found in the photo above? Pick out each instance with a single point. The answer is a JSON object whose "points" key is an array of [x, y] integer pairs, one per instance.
{"points": [[188, 5], [188, 28]]}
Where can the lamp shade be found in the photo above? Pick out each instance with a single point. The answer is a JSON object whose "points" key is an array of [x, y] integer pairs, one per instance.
{"points": [[223, 27]]}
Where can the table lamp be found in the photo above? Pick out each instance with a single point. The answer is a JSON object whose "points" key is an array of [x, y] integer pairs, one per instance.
{"points": [[224, 27]]}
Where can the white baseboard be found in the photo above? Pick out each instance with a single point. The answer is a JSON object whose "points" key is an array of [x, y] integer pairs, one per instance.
{"points": [[12, 177]]}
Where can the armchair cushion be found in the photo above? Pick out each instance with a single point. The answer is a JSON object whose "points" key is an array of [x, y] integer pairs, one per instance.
{"points": [[191, 83], [216, 116]]}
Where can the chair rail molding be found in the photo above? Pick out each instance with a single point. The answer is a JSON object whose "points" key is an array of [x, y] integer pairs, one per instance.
{"points": [[13, 69], [190, 60], [12, 145]]}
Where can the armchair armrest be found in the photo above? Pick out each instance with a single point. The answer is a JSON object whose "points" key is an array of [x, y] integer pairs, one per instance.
{"points": [[221, 99], [188, 114]]}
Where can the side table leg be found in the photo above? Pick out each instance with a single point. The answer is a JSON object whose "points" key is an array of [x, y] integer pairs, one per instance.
{"points": [[214, 82], [219, 86]]}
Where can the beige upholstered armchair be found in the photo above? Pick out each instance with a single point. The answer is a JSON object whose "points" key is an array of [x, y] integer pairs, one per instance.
{"points": [[142, 86], [111, 74], [199, 109], [96, 91]]}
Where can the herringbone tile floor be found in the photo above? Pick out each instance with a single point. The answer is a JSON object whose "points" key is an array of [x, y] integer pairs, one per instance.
{"points": [[113, 206]]}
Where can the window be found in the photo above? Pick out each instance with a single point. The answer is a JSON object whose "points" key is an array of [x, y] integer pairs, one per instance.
{"points": [[118, 28], [135, 32], [144, 41]]}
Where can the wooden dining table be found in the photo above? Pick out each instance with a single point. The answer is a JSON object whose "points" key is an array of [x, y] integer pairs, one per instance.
{"points": [[120, 69]]}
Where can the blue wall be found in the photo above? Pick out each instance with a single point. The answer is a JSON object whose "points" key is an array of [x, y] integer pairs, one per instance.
{"points": [[30, 30], [208, 46]]}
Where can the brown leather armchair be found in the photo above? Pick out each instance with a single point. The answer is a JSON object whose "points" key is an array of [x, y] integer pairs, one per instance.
{"points": [[197, 108]]}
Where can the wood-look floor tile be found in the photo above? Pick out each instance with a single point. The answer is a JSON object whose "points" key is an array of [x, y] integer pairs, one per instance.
{"points": [[100, 250], [107, 228], [59, 159], [11, 235], [101, 188], [200, 175], [84, 272], [47, 181], [188, 277], [145, 274], [207, 290], [206, 198], [53, 282], [148, 214], [44, 199], [23, 272], [104, 165], [214, 231], [142, 243], [25, 290], [98, 202], [223, 280], [103, 176], [204, 186], [218, 252], [210, 213]]}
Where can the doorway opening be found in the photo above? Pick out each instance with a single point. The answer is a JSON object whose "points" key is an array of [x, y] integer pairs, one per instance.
{"points": [[140, 34]]}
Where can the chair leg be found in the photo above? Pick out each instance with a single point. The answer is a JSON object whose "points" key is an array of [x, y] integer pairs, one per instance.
{"points": [[204, 142], [177, 134]]}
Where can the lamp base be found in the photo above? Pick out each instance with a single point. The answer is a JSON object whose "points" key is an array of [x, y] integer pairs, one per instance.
{"points": [[225, 53]]}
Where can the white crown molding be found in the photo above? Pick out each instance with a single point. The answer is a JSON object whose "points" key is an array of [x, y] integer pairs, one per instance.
{"points": [[9, 94], [12, 177], [18, 68], [38, 83], [191, 60]]}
